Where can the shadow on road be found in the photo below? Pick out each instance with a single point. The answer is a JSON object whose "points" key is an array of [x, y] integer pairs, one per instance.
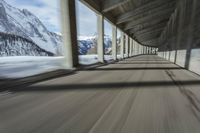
{"points": [[114, 85], [132, 68]]}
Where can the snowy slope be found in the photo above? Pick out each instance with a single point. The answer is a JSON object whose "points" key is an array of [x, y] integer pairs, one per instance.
{"points": [[24, 66], [24, 23], [86, 43], [13, 45], [90, 42]]}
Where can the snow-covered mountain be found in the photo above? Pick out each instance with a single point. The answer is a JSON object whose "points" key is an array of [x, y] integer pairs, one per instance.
{"points": [[88, 43], [108, 44], [21, 31], [26, 25], [13, 45]]}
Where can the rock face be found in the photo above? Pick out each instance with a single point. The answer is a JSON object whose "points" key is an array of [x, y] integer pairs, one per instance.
{"points": [[13, 45], [88, 44], [24, 24]]}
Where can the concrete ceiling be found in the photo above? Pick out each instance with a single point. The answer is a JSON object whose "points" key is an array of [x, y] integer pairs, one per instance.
{"points": [[143, 20]]}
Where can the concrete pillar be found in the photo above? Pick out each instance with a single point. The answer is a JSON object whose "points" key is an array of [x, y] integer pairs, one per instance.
{"points": [[122, 45], [175, 56], [114, 42], [100, 41], [154, 50], [138, 49], [169, 56], [143, 49], [191, 32], [69, 33], [146, 50], [127, 46], [133, 53], [130, 46], [149, 50]]}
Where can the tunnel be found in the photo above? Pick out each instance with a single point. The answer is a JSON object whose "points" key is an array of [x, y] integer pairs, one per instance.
{"points": [[154, 87]]}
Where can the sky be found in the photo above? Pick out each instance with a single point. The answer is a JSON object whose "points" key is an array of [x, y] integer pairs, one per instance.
{"points": [[46, 10], [49, 13]]}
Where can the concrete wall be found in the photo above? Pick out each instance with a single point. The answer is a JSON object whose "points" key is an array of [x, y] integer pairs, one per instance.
{"points": [[182, 34], [181, 58], [194, 63], [172, 56]]}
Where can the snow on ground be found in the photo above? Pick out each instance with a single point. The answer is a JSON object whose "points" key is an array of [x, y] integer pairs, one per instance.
{"points": [[86, 37], [24, 66], [88, 59], [92, 59]]}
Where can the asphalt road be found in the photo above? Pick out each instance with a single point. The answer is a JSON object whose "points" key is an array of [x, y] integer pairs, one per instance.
{"points": [[144, 94]]}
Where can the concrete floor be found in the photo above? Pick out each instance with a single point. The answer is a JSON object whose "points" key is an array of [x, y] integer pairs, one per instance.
{"points": [[144, 94]]}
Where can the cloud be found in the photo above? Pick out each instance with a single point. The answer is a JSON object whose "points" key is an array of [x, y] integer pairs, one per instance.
{"points": [[49, 13], [46, 10], [86, 20]]}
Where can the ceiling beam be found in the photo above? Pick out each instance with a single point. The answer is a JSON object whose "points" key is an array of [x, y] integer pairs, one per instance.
{"points": [[92, 5], [152, 42], [149, 28], [163, 8], [95, 6], [149, 32], [148, 37], [148, 25], [108, 5], [145, 9], [157, 16]]}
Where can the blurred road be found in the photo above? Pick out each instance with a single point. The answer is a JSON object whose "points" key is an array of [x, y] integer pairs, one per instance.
{"points": [[144, 94]]}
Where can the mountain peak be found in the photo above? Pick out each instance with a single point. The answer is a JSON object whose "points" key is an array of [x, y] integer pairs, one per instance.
{"points": [[26, 12], [25, 24], [3, 16], [2, 1], [1, 5]]}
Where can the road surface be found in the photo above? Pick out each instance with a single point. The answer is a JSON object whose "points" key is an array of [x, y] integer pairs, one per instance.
{"points": [[144, 94]]}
